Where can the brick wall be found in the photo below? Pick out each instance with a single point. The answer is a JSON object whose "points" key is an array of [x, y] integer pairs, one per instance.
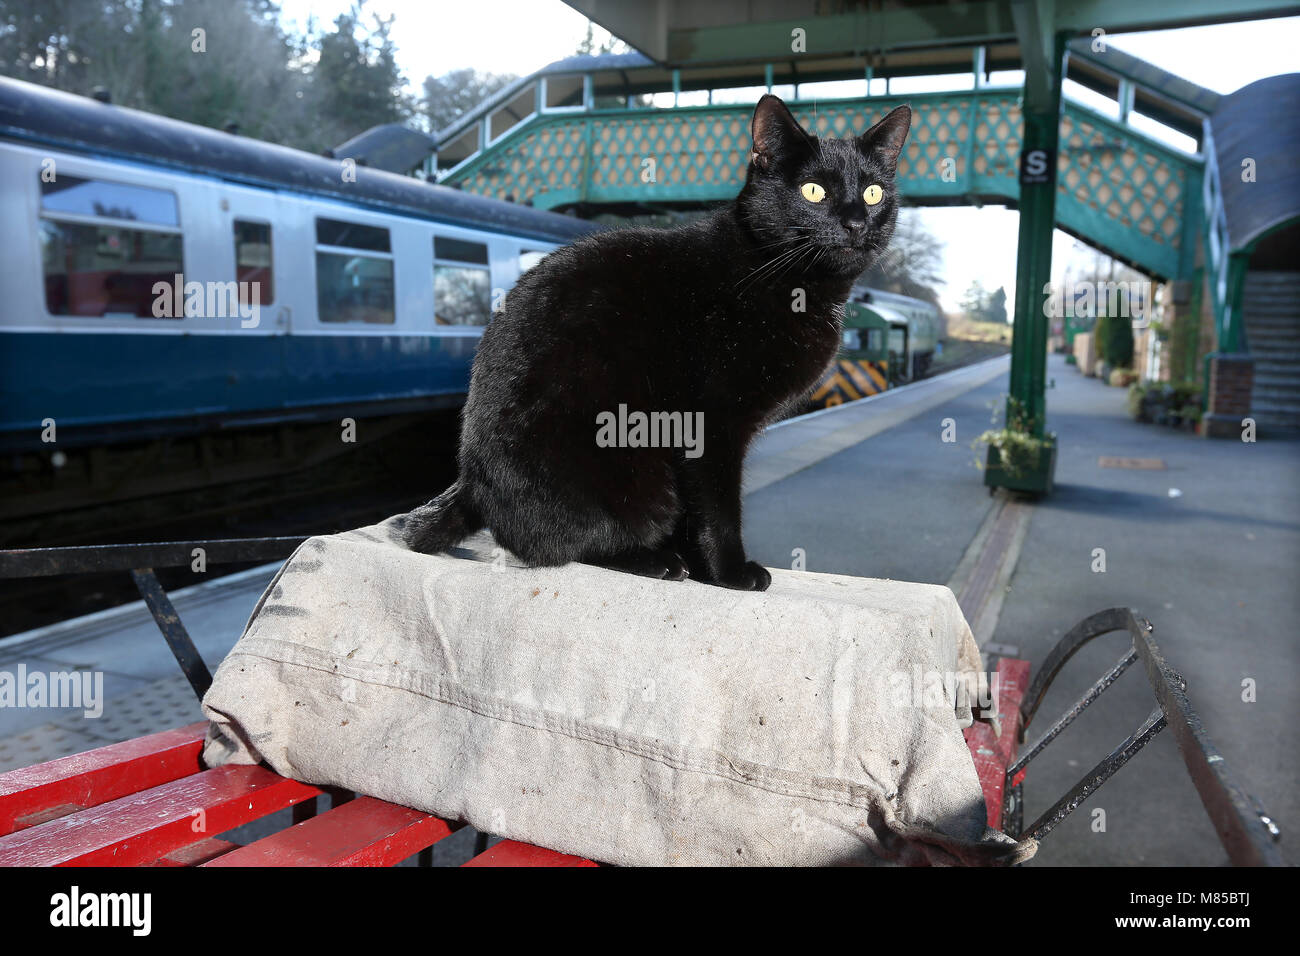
{"points": [[1232, 377]]}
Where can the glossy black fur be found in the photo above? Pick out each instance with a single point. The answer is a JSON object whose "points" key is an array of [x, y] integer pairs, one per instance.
{"points": [[702, 318]]}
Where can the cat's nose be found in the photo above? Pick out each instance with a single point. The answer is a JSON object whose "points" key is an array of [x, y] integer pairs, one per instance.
{"points": [[854, 226]]}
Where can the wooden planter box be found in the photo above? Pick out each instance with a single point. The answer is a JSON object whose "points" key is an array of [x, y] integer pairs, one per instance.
{"points": [[1037, 478]]}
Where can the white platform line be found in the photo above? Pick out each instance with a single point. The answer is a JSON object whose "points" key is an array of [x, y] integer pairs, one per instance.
{"points": [[90, 626]]}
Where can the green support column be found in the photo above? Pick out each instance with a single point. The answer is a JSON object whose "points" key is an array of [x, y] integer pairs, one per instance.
{"points": [[1044, 55], [1233, 337]]}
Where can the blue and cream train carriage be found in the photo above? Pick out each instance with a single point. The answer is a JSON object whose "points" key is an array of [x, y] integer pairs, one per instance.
{"points": [[372, 289]]}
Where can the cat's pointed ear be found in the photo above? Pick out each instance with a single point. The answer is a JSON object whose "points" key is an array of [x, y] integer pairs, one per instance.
{"points": [[885, 139], [777, 134]]}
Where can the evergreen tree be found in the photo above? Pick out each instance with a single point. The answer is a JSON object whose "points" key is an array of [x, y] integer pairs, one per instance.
{"points": [[1119, 341], [356, 83], [997, 307]]}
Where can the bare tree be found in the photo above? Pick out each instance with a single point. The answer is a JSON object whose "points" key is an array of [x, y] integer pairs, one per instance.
{"points": [[913, 262], [449, 97]]}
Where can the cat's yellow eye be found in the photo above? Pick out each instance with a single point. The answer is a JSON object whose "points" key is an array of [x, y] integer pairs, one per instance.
{"points": [[812, 192], [872, 194]]}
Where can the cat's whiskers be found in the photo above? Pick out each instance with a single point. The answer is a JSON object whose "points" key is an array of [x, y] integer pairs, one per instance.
{"points": [[786, 240], [788, 263], [772, 265], [796, 261], [800, 232], [788, 260]]}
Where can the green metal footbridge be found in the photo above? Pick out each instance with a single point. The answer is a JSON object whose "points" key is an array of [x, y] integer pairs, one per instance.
{"points": [[1119, 189]]}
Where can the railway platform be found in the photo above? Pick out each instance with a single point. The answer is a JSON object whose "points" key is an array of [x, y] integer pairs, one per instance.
{"points": [[872, 488]]}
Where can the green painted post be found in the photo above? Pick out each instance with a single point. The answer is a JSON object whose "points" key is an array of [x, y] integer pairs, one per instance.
{"points": [[1038, 166], [1234, 339], [585, 174], [1125, 100], [1190, 334]]}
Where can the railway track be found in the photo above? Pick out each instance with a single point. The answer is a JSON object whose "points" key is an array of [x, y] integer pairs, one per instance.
{"points": [[379, 480]]}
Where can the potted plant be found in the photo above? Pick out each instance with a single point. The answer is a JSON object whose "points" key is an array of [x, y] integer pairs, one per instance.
{"points": [[1018, 458], [1137, 404], [1190, 416]]}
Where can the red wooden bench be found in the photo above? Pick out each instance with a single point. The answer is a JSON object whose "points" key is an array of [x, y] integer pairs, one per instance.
{"points": [[149, 802], [994, 752]]}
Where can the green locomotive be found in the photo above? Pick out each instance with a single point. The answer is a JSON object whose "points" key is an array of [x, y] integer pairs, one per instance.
{"points": [[888, 340]]}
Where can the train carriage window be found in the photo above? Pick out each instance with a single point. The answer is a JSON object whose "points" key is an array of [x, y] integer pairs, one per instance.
{"points": [[253, 261], [462, 284], [104, 246], [460, 250], [354, 273], [93, 197], [351, 235]]}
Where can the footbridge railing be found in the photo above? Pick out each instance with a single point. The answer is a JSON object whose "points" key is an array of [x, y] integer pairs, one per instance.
{"points": [[1119, 189]]}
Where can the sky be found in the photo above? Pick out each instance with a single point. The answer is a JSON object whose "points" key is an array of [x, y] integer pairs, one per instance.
{"points": [[435, 36]]}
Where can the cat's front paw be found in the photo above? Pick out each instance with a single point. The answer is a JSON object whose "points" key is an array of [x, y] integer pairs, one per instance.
{"points": [[751, 576]]}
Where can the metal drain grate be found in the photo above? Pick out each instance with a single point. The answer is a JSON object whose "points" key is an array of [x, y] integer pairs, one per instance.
{"points": [[1138, 464]]}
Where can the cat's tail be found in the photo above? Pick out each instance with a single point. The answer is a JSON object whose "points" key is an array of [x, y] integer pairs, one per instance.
{"points": [[443, 522]]}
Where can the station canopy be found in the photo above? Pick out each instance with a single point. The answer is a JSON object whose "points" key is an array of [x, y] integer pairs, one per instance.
{"points": [[729, 42], [680, 33]]}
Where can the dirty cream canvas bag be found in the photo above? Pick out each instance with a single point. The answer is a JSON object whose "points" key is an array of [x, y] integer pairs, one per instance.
{"points": [[614, 717]]}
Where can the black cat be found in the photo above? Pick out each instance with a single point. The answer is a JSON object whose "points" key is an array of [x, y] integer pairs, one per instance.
{"points": [[722, 322]]}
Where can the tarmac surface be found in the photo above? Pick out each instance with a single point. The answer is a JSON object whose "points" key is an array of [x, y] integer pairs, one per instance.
{"points": [[1207, 548]]}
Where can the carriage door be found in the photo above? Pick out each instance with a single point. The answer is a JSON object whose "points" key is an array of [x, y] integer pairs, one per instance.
{"points": [[254, 241], [254, 238]]}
